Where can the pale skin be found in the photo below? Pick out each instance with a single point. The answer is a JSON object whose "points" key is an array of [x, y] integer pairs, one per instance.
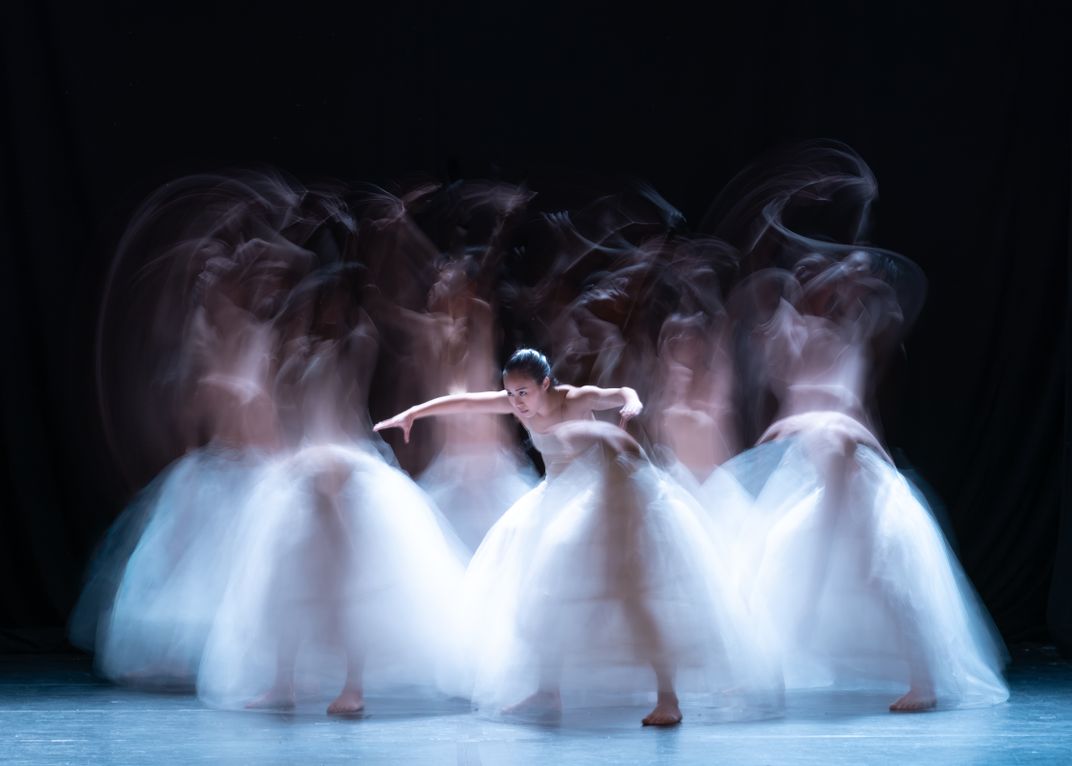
{"points": [[542, 406]]}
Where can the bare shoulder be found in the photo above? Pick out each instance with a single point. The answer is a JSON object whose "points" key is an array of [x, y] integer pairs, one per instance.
{"points": [[583, 392], [580, 402], [571, 392]]}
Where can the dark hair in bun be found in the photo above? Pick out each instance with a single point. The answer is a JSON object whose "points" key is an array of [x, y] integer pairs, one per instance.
{"points": [[531, 363]]}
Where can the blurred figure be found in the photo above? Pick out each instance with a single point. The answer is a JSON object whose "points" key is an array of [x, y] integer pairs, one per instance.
{"points": [[477, 474], [186, 356], [157, 581], [696, 376], [469, 465], [346, 573], [855, 578], [697, 423]]}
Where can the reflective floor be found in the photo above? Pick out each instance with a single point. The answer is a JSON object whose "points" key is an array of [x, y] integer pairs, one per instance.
{"points": [[52, 711]]}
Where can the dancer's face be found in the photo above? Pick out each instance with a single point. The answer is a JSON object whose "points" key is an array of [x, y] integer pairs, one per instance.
{"points": [[527, 396]]}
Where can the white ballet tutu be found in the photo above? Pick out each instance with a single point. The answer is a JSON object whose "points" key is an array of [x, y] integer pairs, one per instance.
{"points": [[473, 488], [856, 593], [343, 558], [728, 515], [156, 582], [590, 578]]}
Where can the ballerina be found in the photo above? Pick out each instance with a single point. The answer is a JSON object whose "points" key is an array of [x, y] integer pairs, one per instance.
{"points": [[854, 579], [598, 577]]}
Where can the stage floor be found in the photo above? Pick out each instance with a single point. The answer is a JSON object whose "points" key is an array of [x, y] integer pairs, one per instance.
{"points": [[53, 711]]}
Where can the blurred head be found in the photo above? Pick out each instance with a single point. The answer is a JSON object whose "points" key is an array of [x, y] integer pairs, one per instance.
{"points": [[527, 380], [859, 262], [811, 266], [685, 341]]}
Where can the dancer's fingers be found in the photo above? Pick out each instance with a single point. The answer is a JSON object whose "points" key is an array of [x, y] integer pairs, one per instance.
{"points": [[628, 413], [383, 425]]}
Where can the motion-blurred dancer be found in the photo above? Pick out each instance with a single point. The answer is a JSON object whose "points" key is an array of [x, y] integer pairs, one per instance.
{"points": [[599, 583], [855, 581]]}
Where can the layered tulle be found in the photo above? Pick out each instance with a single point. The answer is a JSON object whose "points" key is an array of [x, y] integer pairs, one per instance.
{"points": [[473, 487], [728, 513], [155, 585], [591, 580], [344, 561], [851, 577]]}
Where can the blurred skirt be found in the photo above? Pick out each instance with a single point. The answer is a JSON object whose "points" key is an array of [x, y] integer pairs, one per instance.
{"points": [[849, 575], [593, 578], [156, 582], [343, 560]]}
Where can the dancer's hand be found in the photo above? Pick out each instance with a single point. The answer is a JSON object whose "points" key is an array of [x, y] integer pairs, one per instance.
{"points": [[403, 420], [630, 410]]}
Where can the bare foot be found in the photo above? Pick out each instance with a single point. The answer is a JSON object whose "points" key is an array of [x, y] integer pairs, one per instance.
{"points": [[665, 713], [917, 700], [542, 703], [349, 702], [276, 698]]}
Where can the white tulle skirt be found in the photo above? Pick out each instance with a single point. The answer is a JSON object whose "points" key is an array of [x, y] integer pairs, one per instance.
{"points": [[344, 561], [728, 514], [156, 582], [859, 589], [472, 488], [592, 578]]}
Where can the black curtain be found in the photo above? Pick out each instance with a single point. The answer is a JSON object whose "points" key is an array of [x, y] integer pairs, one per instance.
{"points": [[963, 116]]}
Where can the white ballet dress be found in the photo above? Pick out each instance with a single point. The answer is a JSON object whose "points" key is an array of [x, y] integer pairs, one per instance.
{"points": [[593, 577]]}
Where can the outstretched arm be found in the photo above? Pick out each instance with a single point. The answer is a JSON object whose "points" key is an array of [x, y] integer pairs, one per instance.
{"points": [[624, 399], [484, 402]]}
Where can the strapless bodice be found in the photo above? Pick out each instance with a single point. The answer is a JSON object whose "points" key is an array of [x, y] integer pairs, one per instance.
{"points": [[556, 455]]}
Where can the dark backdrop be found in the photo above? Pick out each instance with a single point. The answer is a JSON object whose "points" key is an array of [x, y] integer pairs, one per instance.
{"points": [[963, 118]]}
